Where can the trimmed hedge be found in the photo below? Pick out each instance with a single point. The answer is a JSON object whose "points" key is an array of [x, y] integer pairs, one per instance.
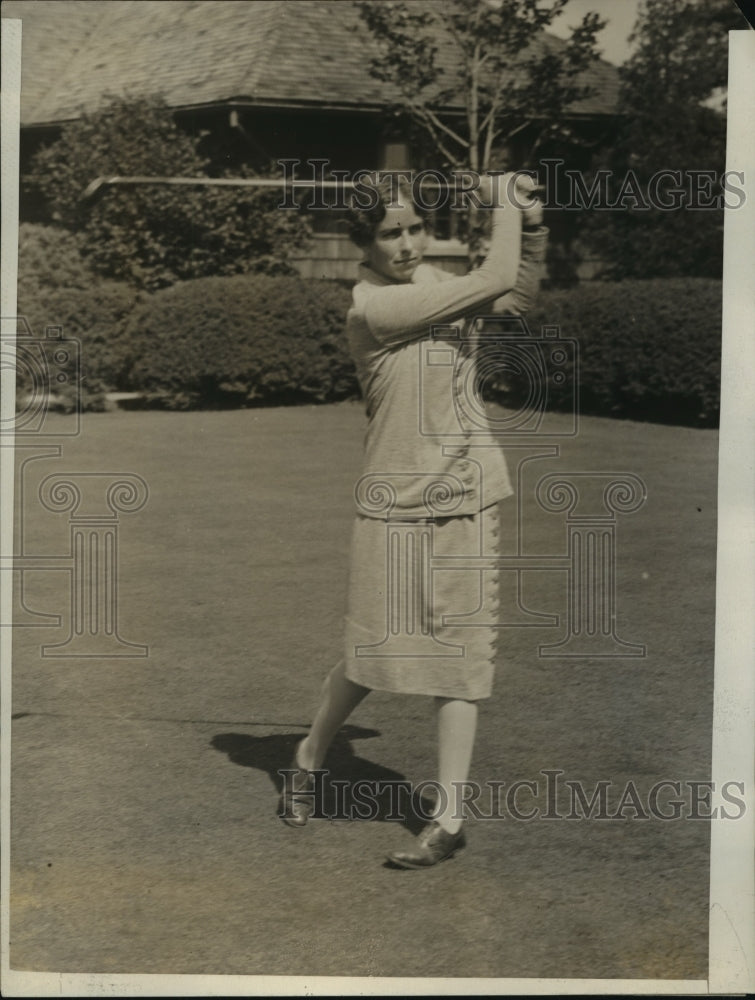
{"points": [[247, 340], [56, 288], [648, 350]]}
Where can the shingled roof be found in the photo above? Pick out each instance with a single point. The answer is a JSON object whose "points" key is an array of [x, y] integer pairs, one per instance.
{"points": [[269, 53]]}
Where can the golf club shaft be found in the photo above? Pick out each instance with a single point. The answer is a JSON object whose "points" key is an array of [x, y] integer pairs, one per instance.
{"points": [[279, 183]]}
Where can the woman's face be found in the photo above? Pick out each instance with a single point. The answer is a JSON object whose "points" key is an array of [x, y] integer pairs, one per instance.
{"points": [[398, 245]]}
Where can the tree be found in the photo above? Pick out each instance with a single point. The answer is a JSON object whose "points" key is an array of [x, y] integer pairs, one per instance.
{"points": [[681, 55], [153, 236], [672, 122], [492, 54], [492, 57]]}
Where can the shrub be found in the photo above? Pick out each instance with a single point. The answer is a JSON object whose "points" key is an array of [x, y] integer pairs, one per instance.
{"points": [[648, 350], [49, 257], [153, 236], [248, 340], [56, 288]]}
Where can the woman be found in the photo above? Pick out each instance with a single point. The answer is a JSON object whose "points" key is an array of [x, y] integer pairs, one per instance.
{"points": [[433, 475]]}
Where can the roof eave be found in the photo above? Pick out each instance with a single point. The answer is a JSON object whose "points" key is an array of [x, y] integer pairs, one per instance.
{"points": [[362, 107], [273, 104]]}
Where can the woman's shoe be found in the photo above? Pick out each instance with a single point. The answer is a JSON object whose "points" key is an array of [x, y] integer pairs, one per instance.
{"points": [[434, 844], [297, 801]]}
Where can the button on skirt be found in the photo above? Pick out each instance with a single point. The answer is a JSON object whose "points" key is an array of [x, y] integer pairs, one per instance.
{"points": [[423, 606]]}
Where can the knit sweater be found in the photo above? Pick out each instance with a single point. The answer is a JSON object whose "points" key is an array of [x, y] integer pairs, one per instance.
{"points": [[430, 450]]}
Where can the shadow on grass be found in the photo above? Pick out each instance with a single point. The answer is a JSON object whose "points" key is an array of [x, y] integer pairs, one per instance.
{"points": [[390, 797]]}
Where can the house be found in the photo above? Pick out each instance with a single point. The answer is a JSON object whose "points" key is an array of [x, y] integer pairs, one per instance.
{"points": [[268, 79]]}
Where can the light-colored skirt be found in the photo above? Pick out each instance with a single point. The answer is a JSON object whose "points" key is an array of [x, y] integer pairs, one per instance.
{"points": [[422, 607]]}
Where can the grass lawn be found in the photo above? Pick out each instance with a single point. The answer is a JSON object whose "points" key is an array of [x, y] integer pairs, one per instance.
{"points": [[144, 790]]}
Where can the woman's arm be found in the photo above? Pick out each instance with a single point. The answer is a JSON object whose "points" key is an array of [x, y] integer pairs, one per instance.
{"points": [[521, 297], [397, 313]]}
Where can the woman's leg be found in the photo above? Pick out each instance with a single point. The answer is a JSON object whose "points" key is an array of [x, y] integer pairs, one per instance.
{"points": [[339, 698], [457, 722], [457, 725]]}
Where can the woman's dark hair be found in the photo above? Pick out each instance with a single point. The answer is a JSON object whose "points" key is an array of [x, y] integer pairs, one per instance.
{"points": [[378, 194]]}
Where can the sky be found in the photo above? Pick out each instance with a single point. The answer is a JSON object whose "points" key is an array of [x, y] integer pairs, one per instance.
{"points": [[612, 41]]}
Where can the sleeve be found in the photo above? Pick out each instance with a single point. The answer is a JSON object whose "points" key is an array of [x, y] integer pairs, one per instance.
{"points": [[398, 313], [521, 297]]}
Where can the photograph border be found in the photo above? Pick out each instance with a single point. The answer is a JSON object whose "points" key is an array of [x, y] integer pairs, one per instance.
{"points": [[732, 907]]}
